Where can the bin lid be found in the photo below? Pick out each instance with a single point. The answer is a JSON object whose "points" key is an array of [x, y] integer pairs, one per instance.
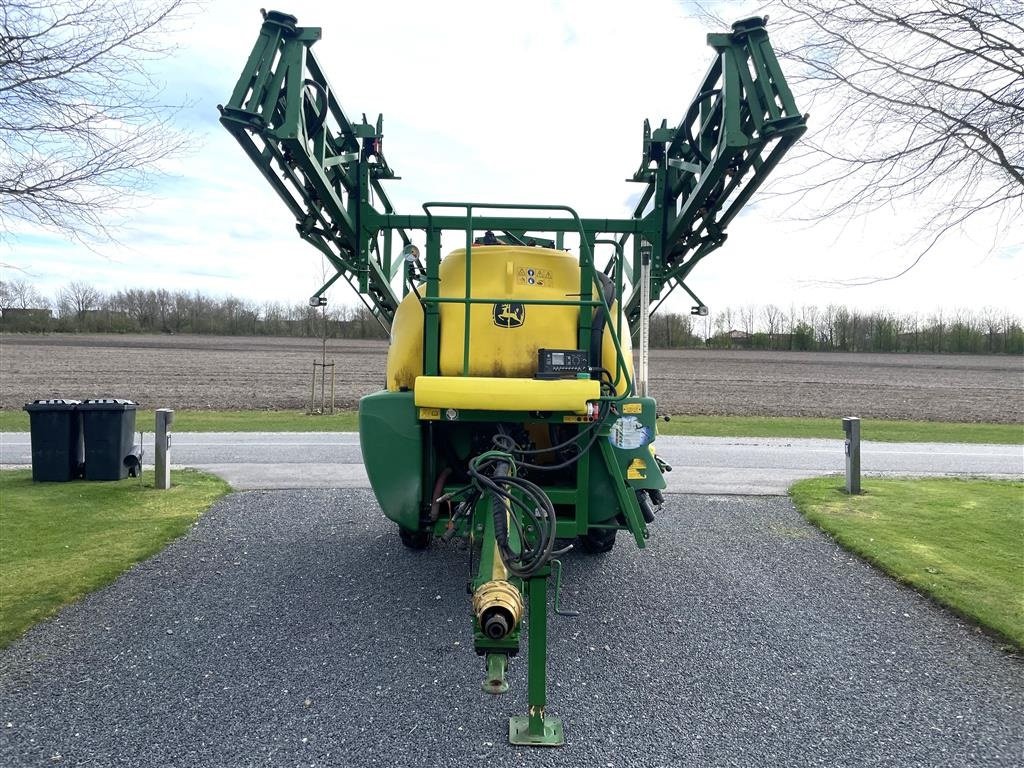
{"points": [[54, 404], [107, 404]]}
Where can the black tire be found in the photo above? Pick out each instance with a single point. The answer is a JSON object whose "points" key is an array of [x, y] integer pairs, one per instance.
{"points": [[598, 541], [415, 539]]}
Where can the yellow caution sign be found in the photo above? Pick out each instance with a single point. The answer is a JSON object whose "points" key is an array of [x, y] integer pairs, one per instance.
{"points": [[637, 470]]}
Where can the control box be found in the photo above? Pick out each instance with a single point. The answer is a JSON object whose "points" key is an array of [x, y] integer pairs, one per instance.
{"points": [[562, 363]]}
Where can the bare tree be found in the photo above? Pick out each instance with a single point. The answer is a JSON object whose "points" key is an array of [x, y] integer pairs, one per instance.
{"points": [[809, 315], [748, 316], [938, 330], [825, 328], [81, 121], [706, 331], [20, 294], [990, 320], [726, 319], [773, 319], [77, 299], [925, 102]]}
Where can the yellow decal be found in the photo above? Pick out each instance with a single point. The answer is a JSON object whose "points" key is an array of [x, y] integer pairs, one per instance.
{"points": [[430, 414], [575, 419], [633, 408], [637, 470]]}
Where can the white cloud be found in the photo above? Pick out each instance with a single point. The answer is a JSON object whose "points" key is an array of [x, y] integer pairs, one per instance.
{"points": [[536, 102]]}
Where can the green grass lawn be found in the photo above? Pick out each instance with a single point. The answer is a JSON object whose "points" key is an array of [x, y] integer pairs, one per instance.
{"points": [[959, 541], [709, 426], [59, 541], [221, 421]]}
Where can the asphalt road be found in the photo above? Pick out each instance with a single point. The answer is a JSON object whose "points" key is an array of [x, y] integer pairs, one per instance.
{"points": [[291, 628], [755, 466]]}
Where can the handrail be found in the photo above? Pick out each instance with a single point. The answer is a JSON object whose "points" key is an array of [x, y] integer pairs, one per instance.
{"points": [[587, 264]]}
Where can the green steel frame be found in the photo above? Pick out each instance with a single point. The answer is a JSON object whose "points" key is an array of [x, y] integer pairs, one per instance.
{"points": [[697, 176]]}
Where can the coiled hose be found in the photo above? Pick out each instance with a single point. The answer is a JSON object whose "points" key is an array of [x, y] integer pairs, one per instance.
{"points": [[493, 473]]}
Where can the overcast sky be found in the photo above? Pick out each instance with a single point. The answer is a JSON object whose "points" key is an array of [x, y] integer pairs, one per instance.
{"points": [[533, 101]]}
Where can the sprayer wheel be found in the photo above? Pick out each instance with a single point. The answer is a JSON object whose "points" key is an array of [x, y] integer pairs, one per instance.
{"points": [[415, 539], [598, 541]]}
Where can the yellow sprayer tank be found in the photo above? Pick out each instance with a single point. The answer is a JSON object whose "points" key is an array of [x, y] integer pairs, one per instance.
{"points": [[504, 335]]}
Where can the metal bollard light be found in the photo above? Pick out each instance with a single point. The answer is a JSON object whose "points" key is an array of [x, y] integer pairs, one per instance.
{"points": [[162, 470], [851, 426]]}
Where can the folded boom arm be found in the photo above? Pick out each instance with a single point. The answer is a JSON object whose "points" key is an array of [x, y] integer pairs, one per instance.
{"points": [[698, 175]]}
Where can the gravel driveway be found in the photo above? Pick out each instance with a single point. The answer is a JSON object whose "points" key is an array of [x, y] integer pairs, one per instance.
{"points": [[291, 628]]}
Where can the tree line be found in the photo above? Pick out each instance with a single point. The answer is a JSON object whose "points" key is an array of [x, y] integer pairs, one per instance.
{"points": [[837, 328], [80, 307]]}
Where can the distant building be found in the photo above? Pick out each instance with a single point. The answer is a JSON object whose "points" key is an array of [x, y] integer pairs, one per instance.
{"points": [[739, 338]]}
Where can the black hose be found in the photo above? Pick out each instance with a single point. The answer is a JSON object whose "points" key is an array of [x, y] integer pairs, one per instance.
{"points": [[567, 463], [531, 503], [600, 319], [505, 442], [645, 506], [611, 381]]}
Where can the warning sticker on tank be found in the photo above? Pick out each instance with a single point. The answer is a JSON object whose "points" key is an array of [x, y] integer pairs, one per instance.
{"points": [[430, 414], [534, 276], [633, 408], [629, 433]]}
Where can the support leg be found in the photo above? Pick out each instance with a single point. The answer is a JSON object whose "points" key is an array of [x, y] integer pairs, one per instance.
{"points": [[496, 683], [534, 729]]}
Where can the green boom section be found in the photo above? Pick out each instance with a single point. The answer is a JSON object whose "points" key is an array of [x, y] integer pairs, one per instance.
{"points": [[329, 170], [325, 168], [700, 173]]}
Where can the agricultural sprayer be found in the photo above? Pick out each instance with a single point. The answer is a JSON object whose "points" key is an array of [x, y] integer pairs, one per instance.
{"points": [[512, 415]]}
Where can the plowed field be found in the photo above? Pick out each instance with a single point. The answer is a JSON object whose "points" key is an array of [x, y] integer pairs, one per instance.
{"points": [[274, 373]]}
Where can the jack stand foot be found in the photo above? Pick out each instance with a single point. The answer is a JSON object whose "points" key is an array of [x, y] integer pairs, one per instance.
{"points": [[496, 683], [536, 731]]}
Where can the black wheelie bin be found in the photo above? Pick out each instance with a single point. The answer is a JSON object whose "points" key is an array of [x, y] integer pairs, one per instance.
{"points": [[56, 434], [109, 426]]}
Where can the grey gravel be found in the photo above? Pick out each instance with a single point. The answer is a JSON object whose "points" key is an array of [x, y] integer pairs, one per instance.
{"points": [[291, 628]]}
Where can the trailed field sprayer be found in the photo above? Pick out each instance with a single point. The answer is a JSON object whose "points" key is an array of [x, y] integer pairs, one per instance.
{"points": [[512, 415]]}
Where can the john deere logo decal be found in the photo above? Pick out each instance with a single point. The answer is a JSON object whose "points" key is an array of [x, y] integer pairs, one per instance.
{"points": [[509, 315]]}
